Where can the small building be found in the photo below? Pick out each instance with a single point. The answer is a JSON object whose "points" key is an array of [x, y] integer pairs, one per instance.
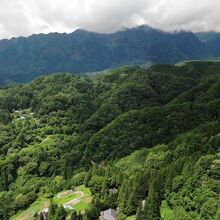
{"points": [[114, 190], [143, 204], [21, 118], [109, 214], [68, 207]]}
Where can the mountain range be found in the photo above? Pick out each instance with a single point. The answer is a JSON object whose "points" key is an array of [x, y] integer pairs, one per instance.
{"points": [[24, 58]]}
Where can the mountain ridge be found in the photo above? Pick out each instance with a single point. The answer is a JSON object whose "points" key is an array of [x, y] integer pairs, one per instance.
{"points": [[23, 59]]}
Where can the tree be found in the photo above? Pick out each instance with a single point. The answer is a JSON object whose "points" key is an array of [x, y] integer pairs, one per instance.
{"points": [[104, 191], [139, 214], [153, 200], [123, 196], [95, 184], [73, 215], [132, 203], [209, 209], [52, 210], [88, 177], [93, 212], [60, 213]]}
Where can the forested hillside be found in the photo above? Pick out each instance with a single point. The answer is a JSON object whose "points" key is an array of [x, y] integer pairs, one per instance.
{"points": [[151, 135], [23, 59]]}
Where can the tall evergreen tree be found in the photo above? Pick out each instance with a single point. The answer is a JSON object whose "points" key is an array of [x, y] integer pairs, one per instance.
{"points": [[52, 210], [153, 200], [60, 213], [74, 215], [88, 177], [104, 191], [123, 196], [139, 214], [132, 202]]}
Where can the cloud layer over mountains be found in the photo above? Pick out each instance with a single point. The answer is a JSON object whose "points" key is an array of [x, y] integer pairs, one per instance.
{"points": [[25, 17]]}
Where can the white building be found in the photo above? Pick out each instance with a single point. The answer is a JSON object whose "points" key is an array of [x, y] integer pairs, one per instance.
{"points": [[21, 118], [109, 214]]}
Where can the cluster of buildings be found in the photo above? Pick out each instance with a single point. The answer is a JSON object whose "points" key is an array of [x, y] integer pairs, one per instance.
{"points": [[109, 214]]}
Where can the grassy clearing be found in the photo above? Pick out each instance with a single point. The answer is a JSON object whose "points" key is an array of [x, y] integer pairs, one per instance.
{"points": [[37, 206], [50, 141], [131, 217], [42, 203], [85, 200], [65, 199]]}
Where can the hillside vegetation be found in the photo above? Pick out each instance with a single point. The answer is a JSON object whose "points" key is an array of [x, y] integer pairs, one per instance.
{"points": [[153, 135]]}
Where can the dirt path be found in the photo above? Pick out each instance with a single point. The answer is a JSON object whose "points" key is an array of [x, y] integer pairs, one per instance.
{"points": [[66, 193], [75, 201]]}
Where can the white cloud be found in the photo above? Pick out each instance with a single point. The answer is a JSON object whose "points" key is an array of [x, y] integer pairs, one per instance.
{"points": [[25, 17]]}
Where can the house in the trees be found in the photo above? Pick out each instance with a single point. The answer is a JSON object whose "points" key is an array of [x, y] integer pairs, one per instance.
{"points": [[114, 190], [109, 214], [21, 118], [143, 204]]}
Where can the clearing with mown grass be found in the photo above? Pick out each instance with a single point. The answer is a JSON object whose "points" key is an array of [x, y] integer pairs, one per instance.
{"points": [[28, 214], [85, 200], [80, 199]]}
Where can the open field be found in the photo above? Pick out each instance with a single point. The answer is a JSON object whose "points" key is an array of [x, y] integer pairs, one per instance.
{"points": [[78, 200], [28, 213], [85, 199]]}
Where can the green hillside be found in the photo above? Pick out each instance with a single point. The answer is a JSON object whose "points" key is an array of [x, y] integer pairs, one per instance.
{"points": [[152, 134]]}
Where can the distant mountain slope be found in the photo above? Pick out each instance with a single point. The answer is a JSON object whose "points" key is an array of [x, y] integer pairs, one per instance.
{"points": [[207, 36], [22, 59]]}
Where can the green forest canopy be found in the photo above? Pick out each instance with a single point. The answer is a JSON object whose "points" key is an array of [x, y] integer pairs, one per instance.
{"points": [[159, 128]]}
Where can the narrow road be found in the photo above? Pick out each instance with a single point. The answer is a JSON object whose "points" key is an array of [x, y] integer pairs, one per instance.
{"points": [[74, 201]]}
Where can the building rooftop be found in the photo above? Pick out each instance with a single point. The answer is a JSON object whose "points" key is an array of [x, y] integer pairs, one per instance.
{"points": [[109, 214]]}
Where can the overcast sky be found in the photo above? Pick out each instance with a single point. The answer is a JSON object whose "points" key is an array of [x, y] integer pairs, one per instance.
{"points": [[25, 17]]}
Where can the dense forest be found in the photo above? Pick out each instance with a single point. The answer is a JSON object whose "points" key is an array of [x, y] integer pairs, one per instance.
{"points": [[23, 59], [151, 135]]}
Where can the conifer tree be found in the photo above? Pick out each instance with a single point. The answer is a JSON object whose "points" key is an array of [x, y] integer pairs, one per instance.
{"points": [[60, 213], [74, 215], [123, 196], [153, 201], [52, 210], [88, 177], [132, 202], [139, 214], [5, 179], [104, 191]]}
